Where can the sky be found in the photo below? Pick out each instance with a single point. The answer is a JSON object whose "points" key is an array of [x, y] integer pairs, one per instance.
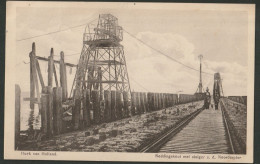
{"points": [[220, 36]]}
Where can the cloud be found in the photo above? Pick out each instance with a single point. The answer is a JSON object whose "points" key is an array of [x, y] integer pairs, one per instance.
{"points": [[160, 74], [146, 67]]}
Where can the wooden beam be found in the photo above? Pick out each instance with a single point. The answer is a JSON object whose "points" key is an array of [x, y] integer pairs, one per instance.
{"points": [[137, 97], [50, 111], [32, 85], [63, 77], [145, 103], [163, 100], [35, 79], [55, 61], [17, 115], [96, 106], [153, 102], [118, 105], [159, 101], [39, 73], [142, 108], [149, 101], [33, 100], [44, 109], [100, 84], [55, 76], [50, 68], [57, 110], [133, 103], [126, 110], [107, 110], [113, 105], [86, 108], [76, 110]]}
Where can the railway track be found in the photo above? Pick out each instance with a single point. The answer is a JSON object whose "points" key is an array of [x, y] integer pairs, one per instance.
{"points": [[206, 131]]}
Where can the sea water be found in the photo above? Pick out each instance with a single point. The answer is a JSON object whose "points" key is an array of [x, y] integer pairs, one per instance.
{"points": [[29, 119]]}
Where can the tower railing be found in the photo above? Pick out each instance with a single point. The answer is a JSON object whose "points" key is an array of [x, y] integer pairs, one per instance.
{"points": [[106, 29]]}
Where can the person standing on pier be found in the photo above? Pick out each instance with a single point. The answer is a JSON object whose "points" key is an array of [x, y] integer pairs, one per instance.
{"points": [[216, 100], [207, 99]]}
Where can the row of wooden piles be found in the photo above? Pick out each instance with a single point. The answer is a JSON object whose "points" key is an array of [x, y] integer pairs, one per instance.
{"points": [[116, 105], [90, 108]]}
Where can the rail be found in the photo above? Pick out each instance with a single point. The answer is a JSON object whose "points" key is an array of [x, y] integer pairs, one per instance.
{"points": [[227, 128], [159, 141], [164, 137], [236, 143]]}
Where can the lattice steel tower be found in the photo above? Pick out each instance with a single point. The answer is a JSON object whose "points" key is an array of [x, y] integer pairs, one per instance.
{"points": [[200, 87], [102, 64]]}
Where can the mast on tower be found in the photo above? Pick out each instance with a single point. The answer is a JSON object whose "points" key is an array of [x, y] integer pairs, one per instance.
{"points": [[200, 87], [200, 83]]}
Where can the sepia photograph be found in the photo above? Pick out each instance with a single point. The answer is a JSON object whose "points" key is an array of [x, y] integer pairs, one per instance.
{"points": [[110, 81]]}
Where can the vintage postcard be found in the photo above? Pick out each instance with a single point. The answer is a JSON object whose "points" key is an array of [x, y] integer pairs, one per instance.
{"points": [[103, 81]]}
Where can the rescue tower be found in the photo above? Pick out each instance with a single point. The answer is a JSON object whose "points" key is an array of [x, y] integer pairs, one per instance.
{"points": [[102, 64]]}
